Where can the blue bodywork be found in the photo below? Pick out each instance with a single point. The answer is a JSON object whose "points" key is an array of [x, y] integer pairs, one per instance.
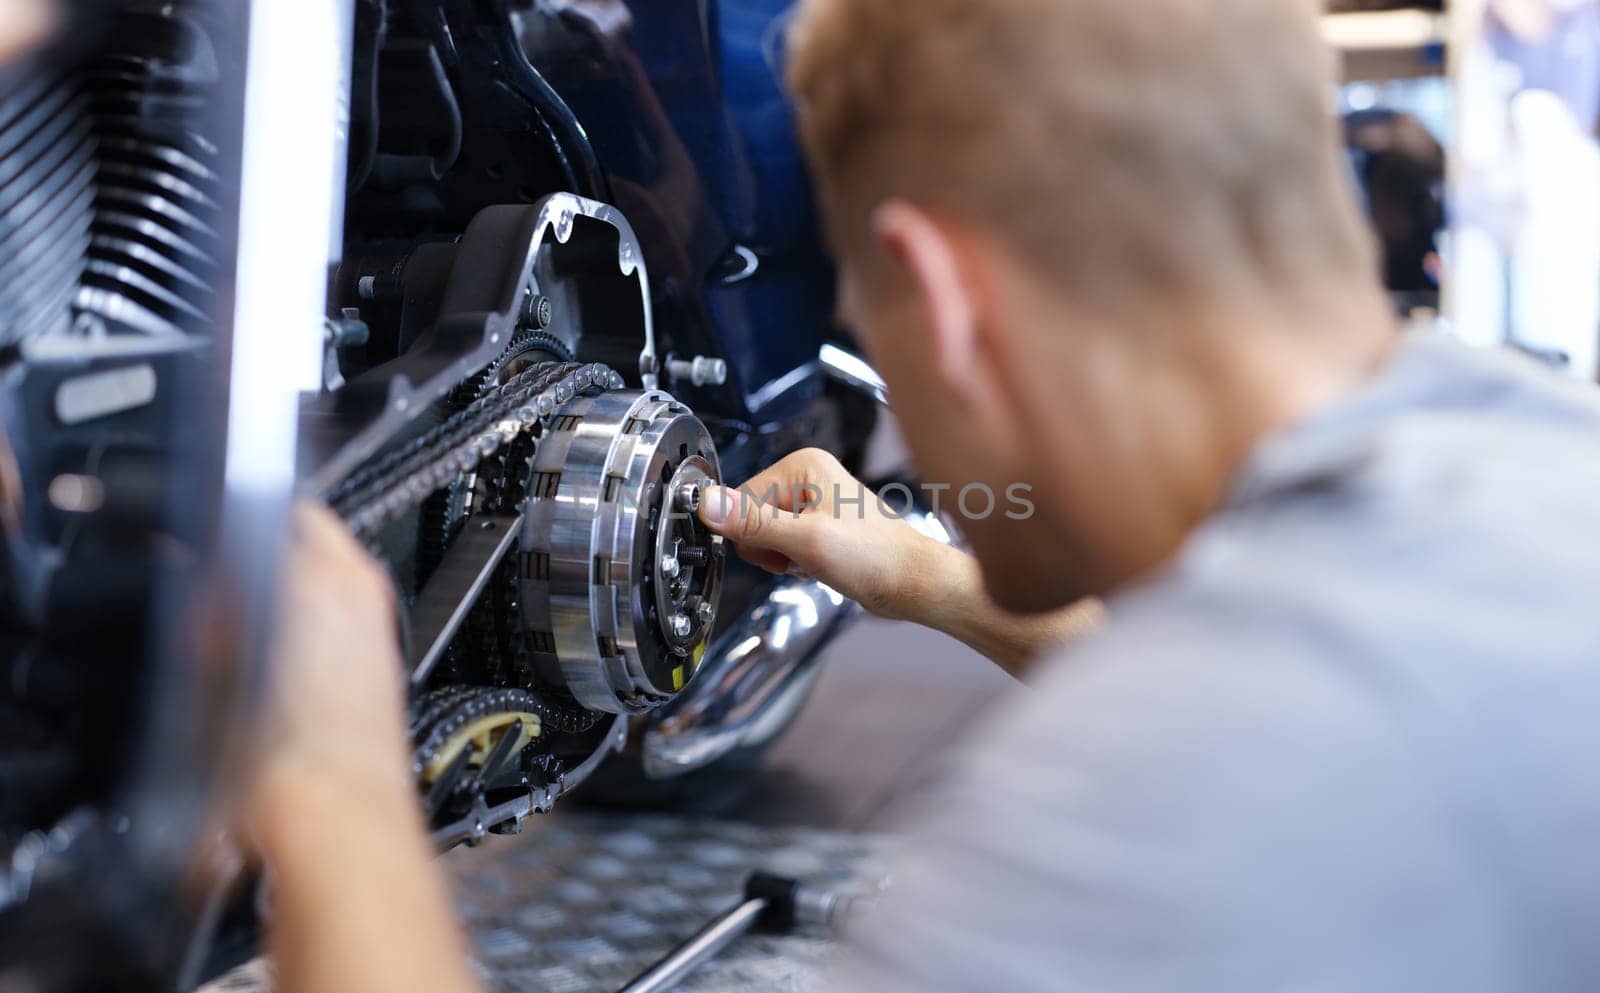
{"points": [[683, 106]]}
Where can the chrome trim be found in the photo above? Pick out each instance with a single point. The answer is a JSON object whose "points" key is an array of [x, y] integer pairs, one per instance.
{"points": [[853, 371], [749, 264], [752, 680], [757, 674], [838, 364], [597, 539]]}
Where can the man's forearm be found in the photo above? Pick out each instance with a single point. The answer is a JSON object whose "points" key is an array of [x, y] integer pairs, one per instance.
{"points": [[945, 592]]}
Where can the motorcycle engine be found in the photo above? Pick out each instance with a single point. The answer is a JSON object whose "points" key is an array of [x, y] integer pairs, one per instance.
{"points": [[491, 425]]}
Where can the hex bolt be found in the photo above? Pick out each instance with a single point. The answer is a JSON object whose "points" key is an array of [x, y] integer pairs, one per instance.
{"points": [[670, 566], [699, 371], [705, 612], [687, 498], [682, 627]]}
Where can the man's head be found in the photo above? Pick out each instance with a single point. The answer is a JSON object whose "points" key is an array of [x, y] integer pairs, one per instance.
{"points": [[1054, 218]]}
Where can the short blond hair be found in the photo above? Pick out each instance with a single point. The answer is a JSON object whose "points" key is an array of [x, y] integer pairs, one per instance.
{"points": [[1129, 146]]}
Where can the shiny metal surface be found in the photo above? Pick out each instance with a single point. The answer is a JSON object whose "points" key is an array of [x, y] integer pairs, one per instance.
{"points": [[699, 371], [756, 675], [608, 617], [705, 945], [753, 678], [686, 560], [852, 370], [818, 907]]}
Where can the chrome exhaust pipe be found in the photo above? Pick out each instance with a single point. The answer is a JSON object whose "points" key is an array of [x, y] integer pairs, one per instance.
{"points": [[757, 674], [754, 678]]}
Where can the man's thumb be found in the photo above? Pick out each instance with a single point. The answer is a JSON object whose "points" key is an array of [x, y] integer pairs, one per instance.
{"points": [[740, 519], [722, 509]]}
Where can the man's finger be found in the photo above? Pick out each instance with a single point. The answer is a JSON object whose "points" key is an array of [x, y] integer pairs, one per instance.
{"points": [[766, 559], [798, 481], [746, 520]]}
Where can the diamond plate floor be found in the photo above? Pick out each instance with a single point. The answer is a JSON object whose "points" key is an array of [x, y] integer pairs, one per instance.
{"points": [[593, 901], [584, 903], [587, 901]]}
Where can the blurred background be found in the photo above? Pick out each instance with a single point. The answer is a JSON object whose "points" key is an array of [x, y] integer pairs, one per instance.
{"points": [[1472, 129]]}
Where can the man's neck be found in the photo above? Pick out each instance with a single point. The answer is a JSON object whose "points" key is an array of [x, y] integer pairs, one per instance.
{"points": [[1199, 402]]}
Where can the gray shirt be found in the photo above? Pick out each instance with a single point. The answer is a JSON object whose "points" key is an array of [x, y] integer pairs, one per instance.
{"points": [[1349, 740]]}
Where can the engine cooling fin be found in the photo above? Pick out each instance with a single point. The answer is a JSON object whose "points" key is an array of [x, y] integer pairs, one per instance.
{"points": [[152, 261], [47, 189], [109, 197]]}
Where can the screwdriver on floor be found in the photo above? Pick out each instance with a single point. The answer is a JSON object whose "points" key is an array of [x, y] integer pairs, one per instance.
{"points": [[771, 903]]}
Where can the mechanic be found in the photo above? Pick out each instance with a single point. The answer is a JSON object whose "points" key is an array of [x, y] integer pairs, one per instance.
{"points": [[1336, 729]]}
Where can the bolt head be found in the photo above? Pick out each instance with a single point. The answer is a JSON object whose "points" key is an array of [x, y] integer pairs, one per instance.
{"points": [[681, 626], [705, 611], [670, 566], [687, 498], [710, 372]]}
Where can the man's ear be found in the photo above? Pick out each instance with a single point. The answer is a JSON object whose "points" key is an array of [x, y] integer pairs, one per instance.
{"points": [[931, 261]]}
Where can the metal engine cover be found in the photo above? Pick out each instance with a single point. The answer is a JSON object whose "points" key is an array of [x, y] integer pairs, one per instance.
{"points": [[619, 578]]}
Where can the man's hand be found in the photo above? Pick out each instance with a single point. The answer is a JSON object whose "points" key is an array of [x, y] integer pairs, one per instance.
{"points": [[337, 713], [358, 904], [807, 515]]}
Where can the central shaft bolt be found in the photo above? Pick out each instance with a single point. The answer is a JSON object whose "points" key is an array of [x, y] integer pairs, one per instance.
{"points": [[687, 499]]}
